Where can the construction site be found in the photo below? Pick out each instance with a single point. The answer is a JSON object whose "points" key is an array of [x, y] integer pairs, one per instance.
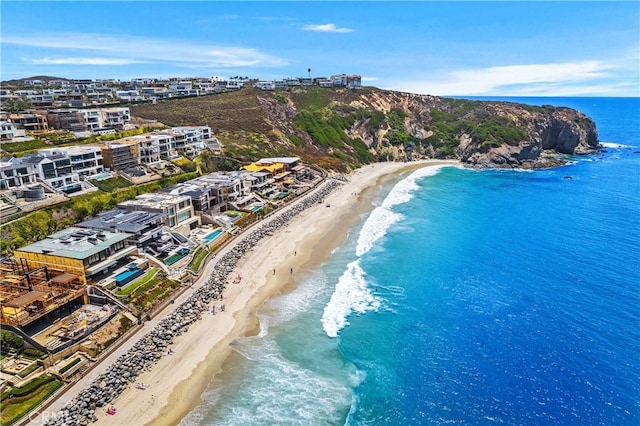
{"points": [[49, 308]]}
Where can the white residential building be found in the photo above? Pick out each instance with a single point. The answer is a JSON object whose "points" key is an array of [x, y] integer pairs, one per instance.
{"points": [[128, 95], [115, 117], [85, 160], [265, 85], [178, 211], [58, 167], [92, 119], [9, 131]]}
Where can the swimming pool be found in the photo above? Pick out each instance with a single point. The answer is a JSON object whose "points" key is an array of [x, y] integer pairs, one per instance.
{"points": [[175, 257], [102, 176], [210, 237], [128, 275]]}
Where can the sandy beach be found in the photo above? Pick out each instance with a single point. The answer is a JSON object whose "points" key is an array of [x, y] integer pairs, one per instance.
{"points": [[175, 384]]}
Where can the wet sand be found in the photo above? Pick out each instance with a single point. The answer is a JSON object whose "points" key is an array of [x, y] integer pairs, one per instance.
{"points": [[175, 384]]}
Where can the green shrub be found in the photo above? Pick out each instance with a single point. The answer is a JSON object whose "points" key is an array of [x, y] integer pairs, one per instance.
{"points": [[69, 365], [32, 353], [29, 387], [15, 408], [23, 146], [281, 98], [296, 140], [26, 371], [10, 340]]}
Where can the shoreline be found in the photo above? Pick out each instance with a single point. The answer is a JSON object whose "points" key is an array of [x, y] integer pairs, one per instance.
{"points": [[265, 270]]}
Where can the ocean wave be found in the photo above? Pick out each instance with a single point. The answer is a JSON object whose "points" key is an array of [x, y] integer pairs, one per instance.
{"points": [[382, 217], [278, 391], [615, 145], [351, 295], [375, 228], [290, 305]]}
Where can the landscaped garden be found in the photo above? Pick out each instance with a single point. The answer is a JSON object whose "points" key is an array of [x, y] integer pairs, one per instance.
{"points": [[15, 402], [152, 291], [198, 256]]}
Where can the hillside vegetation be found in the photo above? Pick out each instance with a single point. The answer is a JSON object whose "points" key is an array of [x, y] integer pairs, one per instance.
{"points": [[341, 129]]}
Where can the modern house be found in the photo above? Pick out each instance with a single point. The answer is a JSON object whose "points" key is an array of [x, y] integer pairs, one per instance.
{"points": [[141, 226], [67, 119], [86, 253], [10, 131], [85, 160], [115, 118], [118, 156], [30, 122], [82, 120], [16, 172], [61, 168], [177, 210]]}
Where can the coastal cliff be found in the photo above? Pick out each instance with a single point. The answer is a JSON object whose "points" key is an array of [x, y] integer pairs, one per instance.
{"points": [[342, 129]]}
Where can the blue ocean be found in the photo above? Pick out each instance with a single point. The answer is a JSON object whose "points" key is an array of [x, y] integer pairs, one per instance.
{"points": [[464, 297]]}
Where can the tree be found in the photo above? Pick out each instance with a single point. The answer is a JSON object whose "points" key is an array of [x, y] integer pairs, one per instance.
{"points": [[10, 340], [17, 105]]}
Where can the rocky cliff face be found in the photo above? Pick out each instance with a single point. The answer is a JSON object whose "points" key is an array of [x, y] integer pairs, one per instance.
{"points": [[400, 126], [340, 128]]}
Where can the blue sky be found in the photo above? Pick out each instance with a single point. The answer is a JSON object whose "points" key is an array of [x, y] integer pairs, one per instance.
{"points": [[453, 48]]}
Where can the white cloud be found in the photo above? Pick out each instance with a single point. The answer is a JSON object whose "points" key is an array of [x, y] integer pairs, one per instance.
{"points": [[327, 28], [567, 78], [80, 61], [370, 79], [141, 49]]}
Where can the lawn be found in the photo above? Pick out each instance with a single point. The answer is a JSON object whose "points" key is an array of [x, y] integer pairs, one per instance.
{"points": [[16, 147], [69, 365], [198, 257], [111, 184], [26, 398]]}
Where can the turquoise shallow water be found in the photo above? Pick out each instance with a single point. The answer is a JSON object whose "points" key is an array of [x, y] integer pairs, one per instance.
{"points": [[465, 297]]}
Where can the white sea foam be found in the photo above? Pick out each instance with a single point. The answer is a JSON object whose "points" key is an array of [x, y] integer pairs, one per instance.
{"points": [[382, 217], [375, 228], [277, 390], [287, 307], [614, 145], [351, 295]]}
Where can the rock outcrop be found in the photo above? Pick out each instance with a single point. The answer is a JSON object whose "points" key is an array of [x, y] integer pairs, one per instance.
{"points": [[342, 129]]}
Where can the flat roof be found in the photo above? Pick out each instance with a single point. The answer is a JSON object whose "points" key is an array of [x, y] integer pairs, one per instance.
{"points": [[156, 200], [75, 243], [121, 220]]}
